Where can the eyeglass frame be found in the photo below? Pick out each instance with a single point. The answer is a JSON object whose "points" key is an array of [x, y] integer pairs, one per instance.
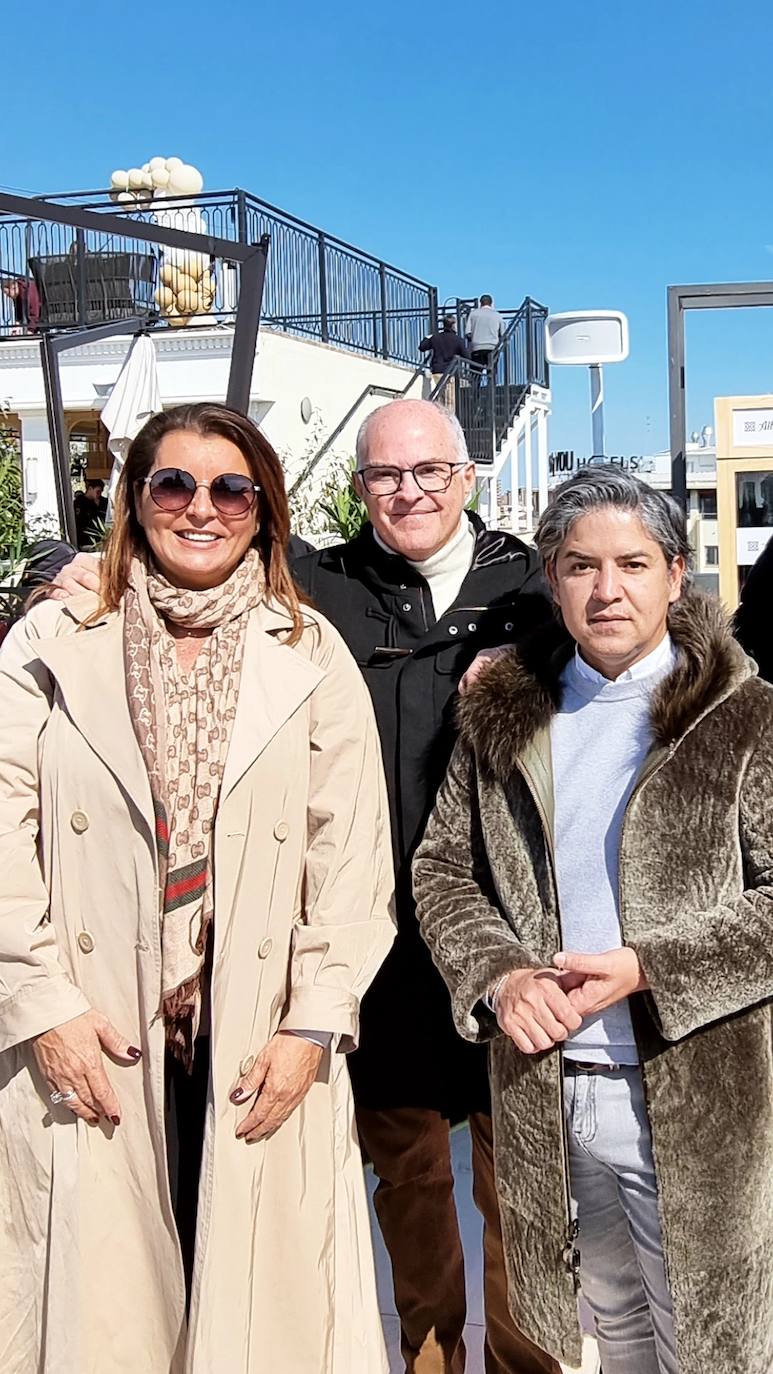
{"points": [[427, 462], [146, 481]]}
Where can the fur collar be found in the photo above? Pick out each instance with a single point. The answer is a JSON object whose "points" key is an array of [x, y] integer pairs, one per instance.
{"points": [[517, 696]]}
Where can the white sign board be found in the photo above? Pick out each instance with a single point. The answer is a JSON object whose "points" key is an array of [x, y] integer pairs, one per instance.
{"points": [[750, 542], [587, 337], [753, 428]]}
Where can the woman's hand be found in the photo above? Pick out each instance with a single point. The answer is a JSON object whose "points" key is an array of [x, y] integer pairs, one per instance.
{"points": [[280, 1079], [80, 574], [70, 1059], [604, 979], [534, 1007]]}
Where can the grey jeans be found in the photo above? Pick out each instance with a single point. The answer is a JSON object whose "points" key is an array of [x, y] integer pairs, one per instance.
{"points": [[622, 1270]]}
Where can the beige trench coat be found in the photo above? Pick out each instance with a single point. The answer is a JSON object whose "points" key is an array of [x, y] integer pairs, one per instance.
{"points": [[92, 1279]]}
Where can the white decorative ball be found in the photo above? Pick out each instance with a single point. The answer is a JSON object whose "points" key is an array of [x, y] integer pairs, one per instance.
{"points": [[187, 180], [135, 178], [172, 163], [160, 178], [126, 198], [156, 163], [120, 180]]}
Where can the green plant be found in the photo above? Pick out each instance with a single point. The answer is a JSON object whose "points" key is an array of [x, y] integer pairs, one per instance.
{"points": [[341, 505], [13, 540]]}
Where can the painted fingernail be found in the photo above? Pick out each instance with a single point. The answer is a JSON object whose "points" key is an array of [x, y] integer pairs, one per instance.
{"points": [[116, 1120], [133, 1052], [237, 1094]]}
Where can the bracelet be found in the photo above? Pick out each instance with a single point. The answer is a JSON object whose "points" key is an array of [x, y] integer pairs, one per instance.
{"points": [[495, 991]]}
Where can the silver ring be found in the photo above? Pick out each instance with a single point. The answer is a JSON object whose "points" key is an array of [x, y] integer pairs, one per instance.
{"points": [[68, 1095]]}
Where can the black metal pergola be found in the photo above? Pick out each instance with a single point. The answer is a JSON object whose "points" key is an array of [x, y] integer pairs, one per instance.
{"points": [[717, 296], [251, 259]]}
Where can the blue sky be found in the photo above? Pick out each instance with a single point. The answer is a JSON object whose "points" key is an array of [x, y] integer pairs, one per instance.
{"points": [[588, 156]]}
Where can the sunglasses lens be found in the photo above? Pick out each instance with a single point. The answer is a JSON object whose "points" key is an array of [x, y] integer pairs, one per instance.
{"points": [[172, 488], [232, 493]]}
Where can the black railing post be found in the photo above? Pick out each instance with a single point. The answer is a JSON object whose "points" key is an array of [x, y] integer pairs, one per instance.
{"points": [[433, 310], [81, 313], [241, 216], [384, 323], [374, 318], [324, 327], [529, 344]]}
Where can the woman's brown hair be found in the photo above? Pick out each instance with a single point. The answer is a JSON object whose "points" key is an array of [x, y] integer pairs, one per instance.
{"points": [[127, 537]]}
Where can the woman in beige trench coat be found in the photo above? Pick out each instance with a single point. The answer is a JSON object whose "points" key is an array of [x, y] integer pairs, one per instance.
{"points": [[92, 1273]]}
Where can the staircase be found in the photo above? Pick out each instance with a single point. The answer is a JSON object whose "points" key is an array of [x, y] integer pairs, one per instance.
{"points": [[499, 408]]}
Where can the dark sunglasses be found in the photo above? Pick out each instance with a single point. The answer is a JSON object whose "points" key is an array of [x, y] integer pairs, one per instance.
{"points": [[173, 489]]}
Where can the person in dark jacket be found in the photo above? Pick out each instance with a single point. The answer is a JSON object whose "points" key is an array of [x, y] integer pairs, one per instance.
{"points": [[416, 595], [754, 617], [444, 346]]}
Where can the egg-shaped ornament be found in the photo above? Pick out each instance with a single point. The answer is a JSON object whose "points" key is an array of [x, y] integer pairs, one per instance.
{"points": [[187, 180], [119, 180]]}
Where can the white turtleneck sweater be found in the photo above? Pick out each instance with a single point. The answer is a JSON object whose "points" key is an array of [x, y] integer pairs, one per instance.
{"points": [[599, 739], [446, 569]]}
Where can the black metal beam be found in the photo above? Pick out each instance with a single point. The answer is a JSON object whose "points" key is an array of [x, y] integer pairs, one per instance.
{"points": [[51, 346], [701, 296], [253, 273]]}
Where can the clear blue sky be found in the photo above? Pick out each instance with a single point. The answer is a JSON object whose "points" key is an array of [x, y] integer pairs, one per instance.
{"points": [[588, 155]]}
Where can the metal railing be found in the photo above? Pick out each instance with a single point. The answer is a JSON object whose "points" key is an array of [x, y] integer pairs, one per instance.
{"points": [[316, 285], [486, 400]]}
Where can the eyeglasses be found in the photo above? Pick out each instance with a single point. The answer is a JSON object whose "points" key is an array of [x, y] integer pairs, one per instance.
{"points": [[427, 476], [173, 489]]}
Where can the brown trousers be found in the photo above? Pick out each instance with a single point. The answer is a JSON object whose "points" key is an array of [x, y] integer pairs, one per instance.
{"points": [[411, 1153]]}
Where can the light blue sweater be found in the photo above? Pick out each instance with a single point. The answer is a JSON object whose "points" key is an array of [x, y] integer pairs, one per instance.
{"points": [[600, 737]]}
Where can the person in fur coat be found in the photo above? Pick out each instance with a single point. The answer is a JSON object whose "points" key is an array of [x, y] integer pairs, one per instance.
{"points": [[596, 887]]}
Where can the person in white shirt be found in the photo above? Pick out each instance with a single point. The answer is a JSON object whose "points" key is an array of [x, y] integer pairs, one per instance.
{"points": [[484, 330]]}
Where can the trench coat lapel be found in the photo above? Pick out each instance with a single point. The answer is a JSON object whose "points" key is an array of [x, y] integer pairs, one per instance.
{"points": [[275, 681], [89, 670]]}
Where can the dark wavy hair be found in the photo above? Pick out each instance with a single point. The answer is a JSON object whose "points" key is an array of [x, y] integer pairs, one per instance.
{"points": [[127, 537]]}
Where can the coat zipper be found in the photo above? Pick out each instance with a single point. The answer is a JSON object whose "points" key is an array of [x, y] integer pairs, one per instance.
{"points": [[570, 1253]]}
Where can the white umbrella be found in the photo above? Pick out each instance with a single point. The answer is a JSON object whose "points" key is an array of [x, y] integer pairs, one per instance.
{"points": [[133, 399]]}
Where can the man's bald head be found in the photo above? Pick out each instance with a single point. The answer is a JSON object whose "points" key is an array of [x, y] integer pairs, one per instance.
{"points": [[400, 435]]}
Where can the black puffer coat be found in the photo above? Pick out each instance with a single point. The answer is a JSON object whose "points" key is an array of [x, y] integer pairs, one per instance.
{"points": [[410, 1054]]}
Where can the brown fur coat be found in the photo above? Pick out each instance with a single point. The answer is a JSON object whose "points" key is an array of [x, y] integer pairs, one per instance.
{"points": [[696, 903]]}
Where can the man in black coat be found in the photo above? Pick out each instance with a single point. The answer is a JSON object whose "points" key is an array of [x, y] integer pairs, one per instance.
{"points": [[416, 595]]}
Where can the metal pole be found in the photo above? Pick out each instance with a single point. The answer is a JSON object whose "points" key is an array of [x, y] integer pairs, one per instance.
{"points": [[676, 397], [597, 409], [384, 325], [246, 328], [324, 328], [60, 453]]}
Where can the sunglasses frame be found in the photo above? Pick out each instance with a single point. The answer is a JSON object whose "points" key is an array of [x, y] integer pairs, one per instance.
{"points": [[176, 510]]}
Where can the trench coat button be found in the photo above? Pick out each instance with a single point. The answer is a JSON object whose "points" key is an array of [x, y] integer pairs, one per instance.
{"points": [[246, 1064], [79, 822], [453, 629], [265, 947], [281, 831], [85, 942]]}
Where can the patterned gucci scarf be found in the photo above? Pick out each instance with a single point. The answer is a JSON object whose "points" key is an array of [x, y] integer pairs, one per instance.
{"points": [[183, 723]]}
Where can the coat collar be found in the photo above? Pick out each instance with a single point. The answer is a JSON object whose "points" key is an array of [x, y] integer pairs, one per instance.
{"points": [[88, 667], [513, 702], [388, 570]]}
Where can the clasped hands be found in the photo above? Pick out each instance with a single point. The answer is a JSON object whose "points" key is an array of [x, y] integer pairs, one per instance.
{"points": [[539, 1008]]}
